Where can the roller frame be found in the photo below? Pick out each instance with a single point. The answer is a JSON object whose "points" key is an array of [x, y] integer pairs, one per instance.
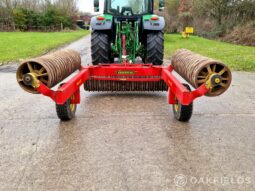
{"points": [[145, 73]]}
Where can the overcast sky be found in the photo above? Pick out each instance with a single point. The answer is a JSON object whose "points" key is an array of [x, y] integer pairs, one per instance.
{"points": [[87, 5]]}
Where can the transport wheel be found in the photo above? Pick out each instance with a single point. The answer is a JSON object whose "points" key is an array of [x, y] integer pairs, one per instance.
{"points": [[155, 48], [183, 113], [100, 48], [67, 111]]}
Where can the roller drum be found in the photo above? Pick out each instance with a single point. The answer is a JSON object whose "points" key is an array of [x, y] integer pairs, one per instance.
{"points": [[50, 69], [197, 70]]}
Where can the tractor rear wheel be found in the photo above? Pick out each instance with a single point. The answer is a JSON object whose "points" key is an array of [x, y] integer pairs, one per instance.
{"points": [[100, 48], [155, 48]]}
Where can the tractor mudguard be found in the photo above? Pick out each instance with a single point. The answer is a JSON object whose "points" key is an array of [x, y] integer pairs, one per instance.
{"points": [[153, 22], [102, 22]]}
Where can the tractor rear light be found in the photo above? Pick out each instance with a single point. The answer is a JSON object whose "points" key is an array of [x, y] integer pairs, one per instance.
{"points": [[154, 18], [100, 18]]}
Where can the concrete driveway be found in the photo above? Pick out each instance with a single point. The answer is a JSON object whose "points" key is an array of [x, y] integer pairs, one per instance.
{"points": [[127, 141]]}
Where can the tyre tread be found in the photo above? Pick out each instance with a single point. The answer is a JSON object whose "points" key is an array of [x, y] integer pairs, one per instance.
{"points": [[100, 48], [155, 48]]}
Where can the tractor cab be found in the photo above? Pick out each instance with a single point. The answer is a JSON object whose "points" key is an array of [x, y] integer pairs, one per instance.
{"points": [[128, 8]]}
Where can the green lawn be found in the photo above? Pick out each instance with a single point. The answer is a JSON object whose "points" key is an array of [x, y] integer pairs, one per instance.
{"points": [[20, 45], [236, 57]]}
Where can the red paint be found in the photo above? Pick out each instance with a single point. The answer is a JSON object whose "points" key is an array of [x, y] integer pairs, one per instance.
{"points": [[100, 18], [154, 18], [119, 72], [124, 51]]}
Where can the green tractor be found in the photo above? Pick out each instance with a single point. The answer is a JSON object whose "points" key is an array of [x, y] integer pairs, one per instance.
{"points": [[133, 19]]}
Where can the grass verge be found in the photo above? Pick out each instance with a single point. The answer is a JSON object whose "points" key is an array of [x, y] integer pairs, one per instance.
{"points": [[235, 56], [15, 46]]}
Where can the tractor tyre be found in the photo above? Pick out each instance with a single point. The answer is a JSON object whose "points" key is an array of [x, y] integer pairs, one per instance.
{"points": [[100, 48], [155, 48], [183, 113]]}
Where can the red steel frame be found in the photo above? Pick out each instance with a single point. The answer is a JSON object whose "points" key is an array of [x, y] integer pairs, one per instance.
{"points": [[107, 71]]}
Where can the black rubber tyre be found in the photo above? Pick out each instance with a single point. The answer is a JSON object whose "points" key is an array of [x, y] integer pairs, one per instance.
{"points": [[155, 48], [67, 111], [183, 113], [100, 48]]}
